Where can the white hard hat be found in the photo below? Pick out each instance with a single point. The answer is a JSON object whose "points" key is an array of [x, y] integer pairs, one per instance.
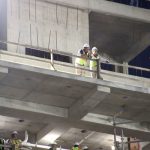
{"points": [[85, 147], [14, 132], [76, 143], [86, 45], [94, 49]]}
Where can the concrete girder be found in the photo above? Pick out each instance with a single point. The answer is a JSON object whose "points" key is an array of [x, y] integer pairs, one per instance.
{"points": [[50, 134], [88, 102], [33, 107]]}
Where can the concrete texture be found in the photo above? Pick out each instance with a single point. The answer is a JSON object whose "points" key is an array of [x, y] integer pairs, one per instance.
{"points": [[46, 25], [59, 24], [107, 7], [56, 101], [120, 38], [42, 86]]}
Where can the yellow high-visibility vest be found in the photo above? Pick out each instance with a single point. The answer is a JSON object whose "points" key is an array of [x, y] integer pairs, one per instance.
{"points": [[82, 61], [75, 148], [16, 142], [93, 62]]}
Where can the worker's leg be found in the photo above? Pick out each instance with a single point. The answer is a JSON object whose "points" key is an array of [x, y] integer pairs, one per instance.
{"points": [[78, 71], [93, 74]]}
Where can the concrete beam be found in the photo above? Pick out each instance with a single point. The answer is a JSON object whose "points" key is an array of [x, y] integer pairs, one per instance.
{"points": [[50, 134], [107, 7], [91, 126], [108, 120], [88, 102], [33, 107]]}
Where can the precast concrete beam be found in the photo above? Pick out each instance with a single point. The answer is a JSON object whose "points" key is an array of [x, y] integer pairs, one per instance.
{"points": [[88, 102], [49, 134], [33, 107]]}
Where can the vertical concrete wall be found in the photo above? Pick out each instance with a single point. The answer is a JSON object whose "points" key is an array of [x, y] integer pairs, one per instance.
{"points": [[3, 23], [35, 21]]}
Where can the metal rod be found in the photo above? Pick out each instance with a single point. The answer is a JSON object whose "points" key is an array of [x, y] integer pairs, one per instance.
{"points": [[35, 10], [67, 18], [115, 140], [77, 18], [85, 138], [29, 8], [37, 36], [56, 39], [30, 34], [11, 7], [52, 58], [98, 68], [19, 9], [122, 139], [137, 141], [49, 39], [57, 14], [18, 41], [36, 145]]}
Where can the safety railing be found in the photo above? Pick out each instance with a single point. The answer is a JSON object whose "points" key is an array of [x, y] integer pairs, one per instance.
{"points": [[58, 66]]}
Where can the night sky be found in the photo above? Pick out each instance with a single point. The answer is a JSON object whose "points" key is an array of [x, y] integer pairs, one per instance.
{"points": [[142, 3]]}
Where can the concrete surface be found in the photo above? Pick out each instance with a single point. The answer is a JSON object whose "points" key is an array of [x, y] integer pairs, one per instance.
{"points": [[31, 84], [46, 25], [56, 102]]}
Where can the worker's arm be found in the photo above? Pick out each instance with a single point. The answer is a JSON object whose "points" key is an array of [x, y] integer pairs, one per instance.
{"points": [[82, 54]]}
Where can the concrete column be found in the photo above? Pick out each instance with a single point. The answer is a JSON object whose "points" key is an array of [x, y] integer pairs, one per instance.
{"points": [[125, 68]]}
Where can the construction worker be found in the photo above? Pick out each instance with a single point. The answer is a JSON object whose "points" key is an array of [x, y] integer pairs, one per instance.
{"points": [[15, 141], [76, 146], [93, 62], [82, 62]]}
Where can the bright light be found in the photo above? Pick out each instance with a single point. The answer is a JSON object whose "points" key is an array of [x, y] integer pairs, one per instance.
{"points": [[61, 149], [113, 147], [51, 137]]}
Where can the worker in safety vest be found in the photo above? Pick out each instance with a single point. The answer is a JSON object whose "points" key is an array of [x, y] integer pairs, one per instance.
{"points": [[76, 146], [93, 62], [15, 141], [82, 62]]}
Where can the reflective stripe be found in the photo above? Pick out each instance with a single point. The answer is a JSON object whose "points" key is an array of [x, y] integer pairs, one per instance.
{"points": [[93, 63]]}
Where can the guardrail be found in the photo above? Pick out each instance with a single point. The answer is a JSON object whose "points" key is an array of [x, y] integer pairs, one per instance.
{"points": [[115, 67]]}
